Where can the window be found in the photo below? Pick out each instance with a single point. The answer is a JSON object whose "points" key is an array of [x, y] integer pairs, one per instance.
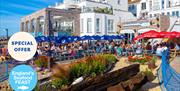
{"points": [[155, 15], [132, 6], [173, 13], [97, 24], [110, 25], [150, 5], [150, 15], [82, 25], [129, 7], [162, 4], [177, 13], [168, 13], [119, 2], [162, 13], [143, 6], [89, 25]]}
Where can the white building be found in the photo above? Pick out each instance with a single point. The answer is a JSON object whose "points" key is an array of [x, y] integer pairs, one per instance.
{"points": [[99, 17], [152, 8], [150, 16]]}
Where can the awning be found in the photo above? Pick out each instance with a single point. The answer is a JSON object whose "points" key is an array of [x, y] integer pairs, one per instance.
{"points": [[145, 30], [127, 31]]}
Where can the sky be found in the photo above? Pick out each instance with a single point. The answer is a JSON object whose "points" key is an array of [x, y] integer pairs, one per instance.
{"points": [[11, 11]]}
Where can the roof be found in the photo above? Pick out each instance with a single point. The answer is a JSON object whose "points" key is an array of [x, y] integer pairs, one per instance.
{"points": [[133, 1]]}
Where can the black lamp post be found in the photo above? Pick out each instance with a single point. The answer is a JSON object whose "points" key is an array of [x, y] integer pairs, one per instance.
{"points": [[6, 33]]}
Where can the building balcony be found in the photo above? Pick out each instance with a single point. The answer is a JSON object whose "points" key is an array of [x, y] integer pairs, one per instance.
{"points": [[97, 10], [95, 1]]}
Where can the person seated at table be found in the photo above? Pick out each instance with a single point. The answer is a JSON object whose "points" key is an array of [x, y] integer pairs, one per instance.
{"points": [[139, 50], [119, 50], [177, 46], [85, 46], [159, 50], [130, 50], [98, 49], [80, 47], [124, 51], [148, 48], [39, 51], [47, 50]]}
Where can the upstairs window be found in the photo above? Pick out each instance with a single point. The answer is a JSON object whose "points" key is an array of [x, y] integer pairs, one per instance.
{"points": [[143, 6], [177, 13], [173, 13], [119, 2]]}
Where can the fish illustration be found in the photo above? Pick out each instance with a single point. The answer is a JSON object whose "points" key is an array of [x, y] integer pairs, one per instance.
{"points": [[23, 87]]}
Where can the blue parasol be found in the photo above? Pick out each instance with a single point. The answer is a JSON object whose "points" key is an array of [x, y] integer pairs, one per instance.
{"points": [[85, 37], [96, 37], [105, 37]]}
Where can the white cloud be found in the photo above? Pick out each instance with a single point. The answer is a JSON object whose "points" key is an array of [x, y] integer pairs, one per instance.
{"points": [[6, 12], [24, 7]]}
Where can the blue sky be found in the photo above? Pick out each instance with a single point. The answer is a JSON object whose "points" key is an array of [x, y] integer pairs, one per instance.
{"points": [[12, 10]]}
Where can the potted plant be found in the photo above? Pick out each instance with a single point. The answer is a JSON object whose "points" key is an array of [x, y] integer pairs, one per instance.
{"points": [[152, 63], [149, 74]]}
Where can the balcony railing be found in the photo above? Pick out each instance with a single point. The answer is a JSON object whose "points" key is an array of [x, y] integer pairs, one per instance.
{"points": [[97, 10], [104, 2]]}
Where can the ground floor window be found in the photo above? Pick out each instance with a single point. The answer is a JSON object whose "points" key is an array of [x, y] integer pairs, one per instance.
{"points": [[110, 25], [89, 25], [97, 25], [82, 25]]}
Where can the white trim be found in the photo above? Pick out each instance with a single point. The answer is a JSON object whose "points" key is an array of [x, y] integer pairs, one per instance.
{"points": [[145, 30], [127, 31]]}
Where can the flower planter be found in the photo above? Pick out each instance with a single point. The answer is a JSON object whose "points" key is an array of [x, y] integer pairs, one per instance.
{"points": [[151, 64]]}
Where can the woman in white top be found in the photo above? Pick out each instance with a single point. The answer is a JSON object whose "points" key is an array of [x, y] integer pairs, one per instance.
{"points": [[159, 50]]}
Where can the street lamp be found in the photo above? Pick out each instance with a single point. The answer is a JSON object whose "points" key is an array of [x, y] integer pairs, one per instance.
{"points": [[6, 32]]}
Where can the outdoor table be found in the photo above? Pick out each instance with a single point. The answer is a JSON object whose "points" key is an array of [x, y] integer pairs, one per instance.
{"points": [[106, 51], [65, 55], [41, 77], [90, 52]]}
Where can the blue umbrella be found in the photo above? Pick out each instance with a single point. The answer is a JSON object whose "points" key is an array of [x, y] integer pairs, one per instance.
{"points": [[76, 38], [52, 39], [41, 39], [105, 37], [70, 39], [38, 39], [96, 37], [58, 39], [114, 36], [85, 37], [63, 40], [122, 37]]}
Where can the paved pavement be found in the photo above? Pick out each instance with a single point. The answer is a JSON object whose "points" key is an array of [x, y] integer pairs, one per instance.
{"points": [[176, 64]]}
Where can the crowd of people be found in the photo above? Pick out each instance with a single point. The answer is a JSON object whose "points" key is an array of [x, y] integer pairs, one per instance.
{"points": [[119, 48], [80, 49]]}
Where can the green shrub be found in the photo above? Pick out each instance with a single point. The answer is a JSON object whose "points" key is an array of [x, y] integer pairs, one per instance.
{"points": [[83, 69], [79, 70], [97, 67], [42, 61], [110, 58], [154, 59], [59, 82], [37, 88], [39, 63], [104, 10]]}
